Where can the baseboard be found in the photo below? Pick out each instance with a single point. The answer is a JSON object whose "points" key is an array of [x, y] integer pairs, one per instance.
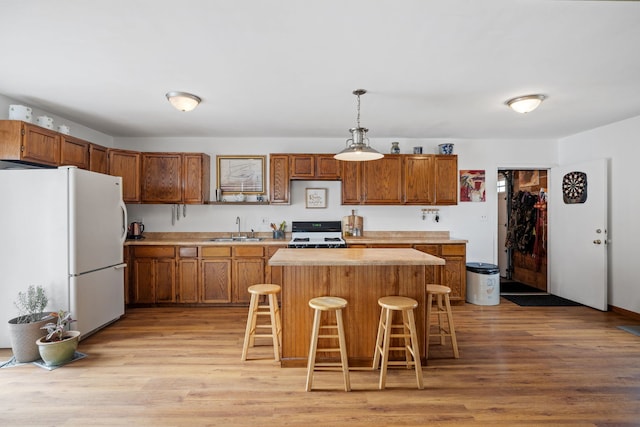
{"points": [[626, 313]]}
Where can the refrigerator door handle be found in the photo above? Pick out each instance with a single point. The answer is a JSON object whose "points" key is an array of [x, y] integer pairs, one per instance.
{"points": [[125, 222]]}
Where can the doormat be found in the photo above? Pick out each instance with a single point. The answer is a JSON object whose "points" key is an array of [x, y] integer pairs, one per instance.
{"points": [[635, 330], [543, 300], [517, 288], [12, 362]]}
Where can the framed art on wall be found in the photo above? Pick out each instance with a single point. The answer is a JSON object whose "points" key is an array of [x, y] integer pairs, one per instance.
{"points": [[241, 174], [315, 198]]}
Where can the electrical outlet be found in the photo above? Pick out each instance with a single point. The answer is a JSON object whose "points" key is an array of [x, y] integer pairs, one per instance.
{"points": [[484, 218], [265, 220]]}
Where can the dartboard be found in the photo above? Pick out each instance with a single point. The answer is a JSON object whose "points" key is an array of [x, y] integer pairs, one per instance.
{"points": [[574, 187]]}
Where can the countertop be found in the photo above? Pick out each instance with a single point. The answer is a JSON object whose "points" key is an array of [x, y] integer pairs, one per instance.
{"points": [[370, 237], [357, 256]]}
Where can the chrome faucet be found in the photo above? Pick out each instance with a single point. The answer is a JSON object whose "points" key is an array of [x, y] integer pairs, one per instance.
{"points": [[238, 222]]}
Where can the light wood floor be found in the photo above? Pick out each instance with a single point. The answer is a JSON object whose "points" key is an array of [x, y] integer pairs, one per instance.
{"points": [[519, 366]]}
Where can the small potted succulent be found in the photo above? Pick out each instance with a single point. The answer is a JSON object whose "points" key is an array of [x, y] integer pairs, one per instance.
{"points": [[24, 330], [60, 344]]}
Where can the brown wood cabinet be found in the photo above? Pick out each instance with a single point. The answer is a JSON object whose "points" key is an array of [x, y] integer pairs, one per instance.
{"points": [[279, 184], [199, 274], [248, 269], [196, 178], [314, 167], [419, 180], [126, 164], [74, 152], [188, 274], [399, 179], [377, 182], [98, 159], [215, 274], [29, 143], [454, 273], [175, 178], [446, 179], [153, 276], [161, 178]]}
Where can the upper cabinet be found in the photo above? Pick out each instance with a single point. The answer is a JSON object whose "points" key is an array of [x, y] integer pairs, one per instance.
{"points": [[446, 179], [175, 178], [396, 179], [279, 185], [401, 179], [74, 152], [126, 164], [314, 167], [98, 159], [196, 178], [29, 143], [25, 142]]}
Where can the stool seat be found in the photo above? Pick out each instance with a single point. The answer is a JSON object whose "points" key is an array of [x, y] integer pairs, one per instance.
{"points": [[441, 309], [407, 331], [438, 289], [327, 304], [398, 303], [272, 310], [264, 289]]}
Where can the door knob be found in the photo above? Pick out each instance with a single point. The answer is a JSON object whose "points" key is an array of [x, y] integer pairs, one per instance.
{"points": [[597, 242]]}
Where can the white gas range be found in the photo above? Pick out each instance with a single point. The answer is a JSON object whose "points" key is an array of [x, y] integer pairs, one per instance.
{"points": [[316, 234]]}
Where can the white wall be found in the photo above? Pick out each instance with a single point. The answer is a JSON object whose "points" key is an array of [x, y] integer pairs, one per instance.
{"points": [[617, 142], [78, 130], [464, 221]]}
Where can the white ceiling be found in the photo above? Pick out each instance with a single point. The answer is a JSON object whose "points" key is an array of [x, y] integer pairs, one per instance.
{"points": [[287, 68]]}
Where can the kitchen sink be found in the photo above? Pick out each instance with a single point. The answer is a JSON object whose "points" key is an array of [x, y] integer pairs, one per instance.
{"points": [[236, 239]]}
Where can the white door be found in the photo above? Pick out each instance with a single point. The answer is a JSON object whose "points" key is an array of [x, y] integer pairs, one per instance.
{"points": [[97, 221], [577, 254], [97, 298]]}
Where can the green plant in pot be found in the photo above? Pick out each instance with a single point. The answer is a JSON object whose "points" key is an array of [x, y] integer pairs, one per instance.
{"points": [[60, 344], [24, 330]]}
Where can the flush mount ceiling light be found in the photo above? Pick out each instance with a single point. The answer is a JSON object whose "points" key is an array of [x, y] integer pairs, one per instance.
{"points": [[525, 104], [358, 148], [183, 101]]}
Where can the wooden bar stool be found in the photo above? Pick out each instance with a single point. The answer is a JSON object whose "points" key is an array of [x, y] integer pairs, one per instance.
{"points": [[272, 310], [386, 328], [326, 304], [440, 310]]}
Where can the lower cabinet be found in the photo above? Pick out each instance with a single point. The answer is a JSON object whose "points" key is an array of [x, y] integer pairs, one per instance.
{"points": [[198, 274], [154, 274], [454, 273]]}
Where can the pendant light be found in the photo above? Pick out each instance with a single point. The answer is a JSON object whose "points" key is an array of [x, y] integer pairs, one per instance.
{"points": [[358, 148], [183, 101], [525, 104]]}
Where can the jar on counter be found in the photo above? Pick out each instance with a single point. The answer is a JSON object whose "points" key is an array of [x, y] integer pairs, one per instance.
{"points": [[395, 148]]}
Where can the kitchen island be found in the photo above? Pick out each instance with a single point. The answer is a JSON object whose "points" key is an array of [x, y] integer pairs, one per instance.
{"points": [[361, 276]]}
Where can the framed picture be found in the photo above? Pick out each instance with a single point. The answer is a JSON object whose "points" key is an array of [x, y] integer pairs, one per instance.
{"points": [[315, 198], [241, 174]]}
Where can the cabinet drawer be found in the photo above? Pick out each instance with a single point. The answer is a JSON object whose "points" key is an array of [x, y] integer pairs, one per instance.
{"points": [[188, 252], [453, 250], [251, 251], [154, 251], [430, 249], [216, 251]]}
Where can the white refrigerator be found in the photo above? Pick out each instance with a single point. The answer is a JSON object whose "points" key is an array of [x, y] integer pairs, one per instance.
{"points": [[63, 229]]}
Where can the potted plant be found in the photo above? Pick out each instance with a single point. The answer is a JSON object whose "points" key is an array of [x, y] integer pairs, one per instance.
{"points": [[60, 344], [24, 330]]}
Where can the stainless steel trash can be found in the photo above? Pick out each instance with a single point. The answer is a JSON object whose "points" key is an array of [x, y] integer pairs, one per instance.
{"points": [[483, 283]]}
